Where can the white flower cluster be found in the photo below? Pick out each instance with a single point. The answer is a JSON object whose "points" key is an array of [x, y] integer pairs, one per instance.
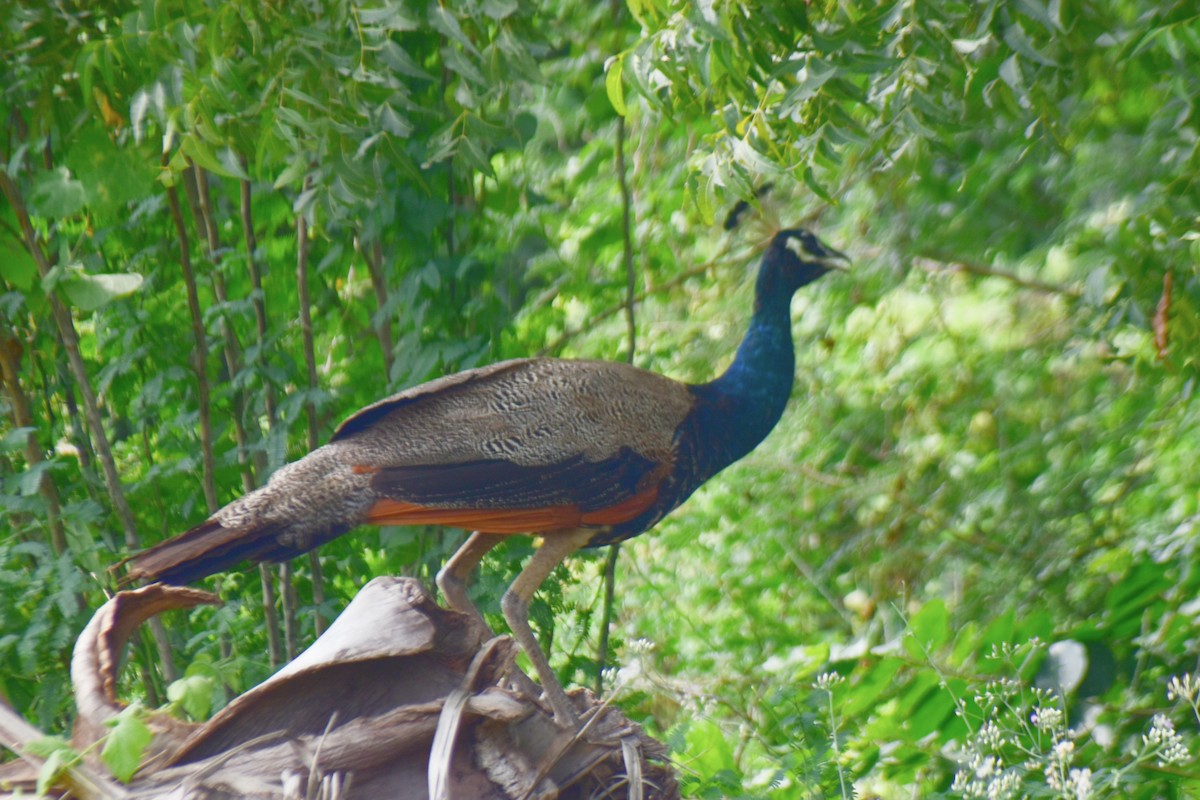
{"points": [[640, 646], [1185, 688], [827, 680], [1076, 786], [997, 693], [1046, 718], [1067, 782], [1166, 744], [984, 778], [990, 735]]}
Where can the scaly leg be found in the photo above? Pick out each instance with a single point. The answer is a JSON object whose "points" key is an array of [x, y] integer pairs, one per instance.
{"points": [[452, 579], [515, 605]]}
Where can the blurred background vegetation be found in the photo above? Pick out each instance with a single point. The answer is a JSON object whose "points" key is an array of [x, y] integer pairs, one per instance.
{"points": [[963, 565]]}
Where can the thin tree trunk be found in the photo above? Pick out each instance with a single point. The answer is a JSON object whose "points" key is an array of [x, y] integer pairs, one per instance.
{"points": [[258, 300], [287, 586], [200, 357], [310, 361], [232, 348], [614, 552], [271, 615]]}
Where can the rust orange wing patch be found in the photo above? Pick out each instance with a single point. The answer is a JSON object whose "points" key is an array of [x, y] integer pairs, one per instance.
{"points": [[510, 520]]}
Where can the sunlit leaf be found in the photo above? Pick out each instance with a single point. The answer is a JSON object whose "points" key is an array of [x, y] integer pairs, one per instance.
{"points": [[88, 292], [126, 743], [613, 86]]}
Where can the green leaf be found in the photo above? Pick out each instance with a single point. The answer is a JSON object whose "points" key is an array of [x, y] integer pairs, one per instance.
{"points": [[294, 171], [969, 46], [31, 479], [16, 265], [126, 743], [398, 59], [393, 123], [1010, 73], [447, 24], [810, 180], [390, 17], [56, 194], [747, 156], [194, 693], [867, 690], [613, 85], [112, 176], [930, 627], [47, 745], [60, 757], [88, 292], [199, 151], [499, 9], [708, 751]]}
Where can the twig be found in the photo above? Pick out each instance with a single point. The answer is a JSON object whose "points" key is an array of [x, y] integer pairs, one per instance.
{"points": [[692, 272], [936, 262]]}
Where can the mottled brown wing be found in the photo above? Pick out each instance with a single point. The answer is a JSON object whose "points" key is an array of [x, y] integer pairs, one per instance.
{"points": [[525, 446]]}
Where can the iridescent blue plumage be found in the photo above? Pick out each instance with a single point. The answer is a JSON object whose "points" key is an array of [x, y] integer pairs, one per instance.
{"points": [[734, 413]]}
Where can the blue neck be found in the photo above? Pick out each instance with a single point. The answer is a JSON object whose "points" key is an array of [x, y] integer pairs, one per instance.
{"points": [[743, 405]]}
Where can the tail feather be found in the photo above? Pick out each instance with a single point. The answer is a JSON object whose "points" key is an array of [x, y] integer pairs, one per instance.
{"points": [[204, 550]]}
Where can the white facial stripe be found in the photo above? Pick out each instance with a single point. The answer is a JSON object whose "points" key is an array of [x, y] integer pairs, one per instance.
{"points": [[796, 245]]}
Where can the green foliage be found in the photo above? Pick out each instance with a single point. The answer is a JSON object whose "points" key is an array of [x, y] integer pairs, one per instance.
{"points": [[125, 744], [984, 484], [59, 757], [195, 691]]}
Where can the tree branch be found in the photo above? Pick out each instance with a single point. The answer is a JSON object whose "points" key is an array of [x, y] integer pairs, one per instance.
{"points": [[940, 262]]}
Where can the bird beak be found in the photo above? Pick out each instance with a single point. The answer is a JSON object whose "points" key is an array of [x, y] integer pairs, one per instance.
{"points": [[834, 259]]}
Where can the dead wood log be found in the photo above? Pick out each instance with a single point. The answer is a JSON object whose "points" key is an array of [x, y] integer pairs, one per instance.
{"points": [[399, 698]]}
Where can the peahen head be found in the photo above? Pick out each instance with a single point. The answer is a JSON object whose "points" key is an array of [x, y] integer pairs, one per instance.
{"points": [[796, 257]]}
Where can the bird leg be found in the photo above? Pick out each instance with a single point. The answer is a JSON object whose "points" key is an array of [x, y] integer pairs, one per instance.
{"points": [[515, 605], [452, 579]]}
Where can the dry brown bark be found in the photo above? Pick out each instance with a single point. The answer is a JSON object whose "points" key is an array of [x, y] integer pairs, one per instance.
{"points": [[399, 698]]}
